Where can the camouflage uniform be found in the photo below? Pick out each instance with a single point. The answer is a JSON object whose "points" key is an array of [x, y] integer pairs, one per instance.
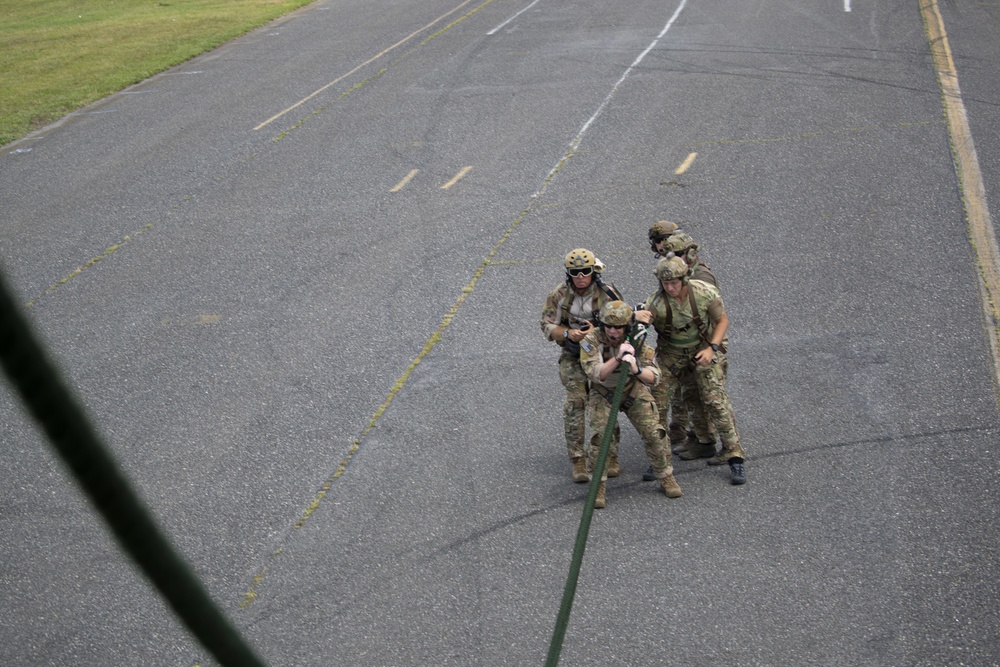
{"points": [[685, 405], [678, 341], [637, 403], [561, 306]]}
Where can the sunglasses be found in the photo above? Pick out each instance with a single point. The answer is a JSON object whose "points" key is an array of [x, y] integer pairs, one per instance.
{"points": [[581, 272], [614, 326]]}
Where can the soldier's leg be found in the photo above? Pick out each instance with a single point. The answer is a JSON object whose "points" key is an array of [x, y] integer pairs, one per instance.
{"points": [[574, 413], [702, 445], [644, 417], [613, 468], [600, 412], [711, 384], [677, 425], [664, 393], [704, 430]]}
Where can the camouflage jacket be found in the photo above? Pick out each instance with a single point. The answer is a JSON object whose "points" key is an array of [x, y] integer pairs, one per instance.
{"points": [[556, 312], [689, 322], [595, 350]]}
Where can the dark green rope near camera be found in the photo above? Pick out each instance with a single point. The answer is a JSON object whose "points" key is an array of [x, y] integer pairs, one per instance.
{"points": [[50, 402], [569, 592]]}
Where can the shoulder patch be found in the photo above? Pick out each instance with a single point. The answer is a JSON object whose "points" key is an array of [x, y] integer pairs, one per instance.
{"points": [[586, 346]]}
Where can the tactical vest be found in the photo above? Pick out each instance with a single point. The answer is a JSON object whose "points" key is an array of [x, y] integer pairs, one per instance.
{"points": [[663, 337]]}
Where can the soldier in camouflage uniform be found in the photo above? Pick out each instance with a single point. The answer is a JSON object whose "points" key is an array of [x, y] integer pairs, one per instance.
{"points": [[666, 239], [569, 313], [690, 321], [702, 430], [604, 354]]}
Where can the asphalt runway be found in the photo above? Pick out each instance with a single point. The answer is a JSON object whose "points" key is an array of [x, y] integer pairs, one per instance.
{"points": [[297, 282]]}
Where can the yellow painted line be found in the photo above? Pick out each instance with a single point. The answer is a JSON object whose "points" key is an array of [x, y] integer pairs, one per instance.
{"points": [[686, 164], [367, 62], [406, 179], [970, 178], [457, 178]]}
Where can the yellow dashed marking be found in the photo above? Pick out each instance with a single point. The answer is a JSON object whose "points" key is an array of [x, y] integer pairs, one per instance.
{"points": [[686, 164], [457, 178], [406, 179]]}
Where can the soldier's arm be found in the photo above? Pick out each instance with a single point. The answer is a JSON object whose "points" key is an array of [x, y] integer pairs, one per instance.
{"points": [[720, 323], [649, 364], [590, 360], [551, 326]]}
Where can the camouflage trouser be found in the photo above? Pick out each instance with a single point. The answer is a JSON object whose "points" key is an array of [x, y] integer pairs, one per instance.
{"points": [[644, 417], [704, 386], [575, 407], [682, 410]]}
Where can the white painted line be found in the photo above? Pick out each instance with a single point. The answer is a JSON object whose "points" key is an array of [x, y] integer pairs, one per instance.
{"points": [[367, 62], [406, 179], [686, 164], [847, 5], [600, 109], [458, 177], [512, 18]]}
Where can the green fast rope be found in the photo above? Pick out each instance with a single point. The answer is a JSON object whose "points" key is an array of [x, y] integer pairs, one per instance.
{"points": [[75, 440], [562, 620]]}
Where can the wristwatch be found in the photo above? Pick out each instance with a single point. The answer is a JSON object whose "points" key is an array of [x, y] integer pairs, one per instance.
{"points": [[715, 348], [566, 332]]}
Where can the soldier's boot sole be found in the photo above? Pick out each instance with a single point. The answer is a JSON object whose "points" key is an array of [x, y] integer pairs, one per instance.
{"points": [[580, 473]]}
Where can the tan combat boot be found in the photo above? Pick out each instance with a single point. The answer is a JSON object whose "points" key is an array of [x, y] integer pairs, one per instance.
{"points": [[671, 487], [613, 469], [600, 502], [580, 470]]}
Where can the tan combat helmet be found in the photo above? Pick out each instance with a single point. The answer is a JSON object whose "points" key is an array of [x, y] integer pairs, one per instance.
{"points": [[580, 258], [679, 244], [671, 268], [661, 230], [616, 314]]}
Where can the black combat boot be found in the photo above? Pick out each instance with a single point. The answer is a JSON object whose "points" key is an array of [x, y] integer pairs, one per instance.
{"points": [[738, 471]]}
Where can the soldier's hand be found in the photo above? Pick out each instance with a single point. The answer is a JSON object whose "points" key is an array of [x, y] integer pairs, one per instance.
{"points": [[576, 335], [644, 316], [626, 348], [705, 357]]}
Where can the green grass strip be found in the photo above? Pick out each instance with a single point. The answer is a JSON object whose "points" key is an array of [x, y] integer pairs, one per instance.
{"points": [[59, 55]]}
